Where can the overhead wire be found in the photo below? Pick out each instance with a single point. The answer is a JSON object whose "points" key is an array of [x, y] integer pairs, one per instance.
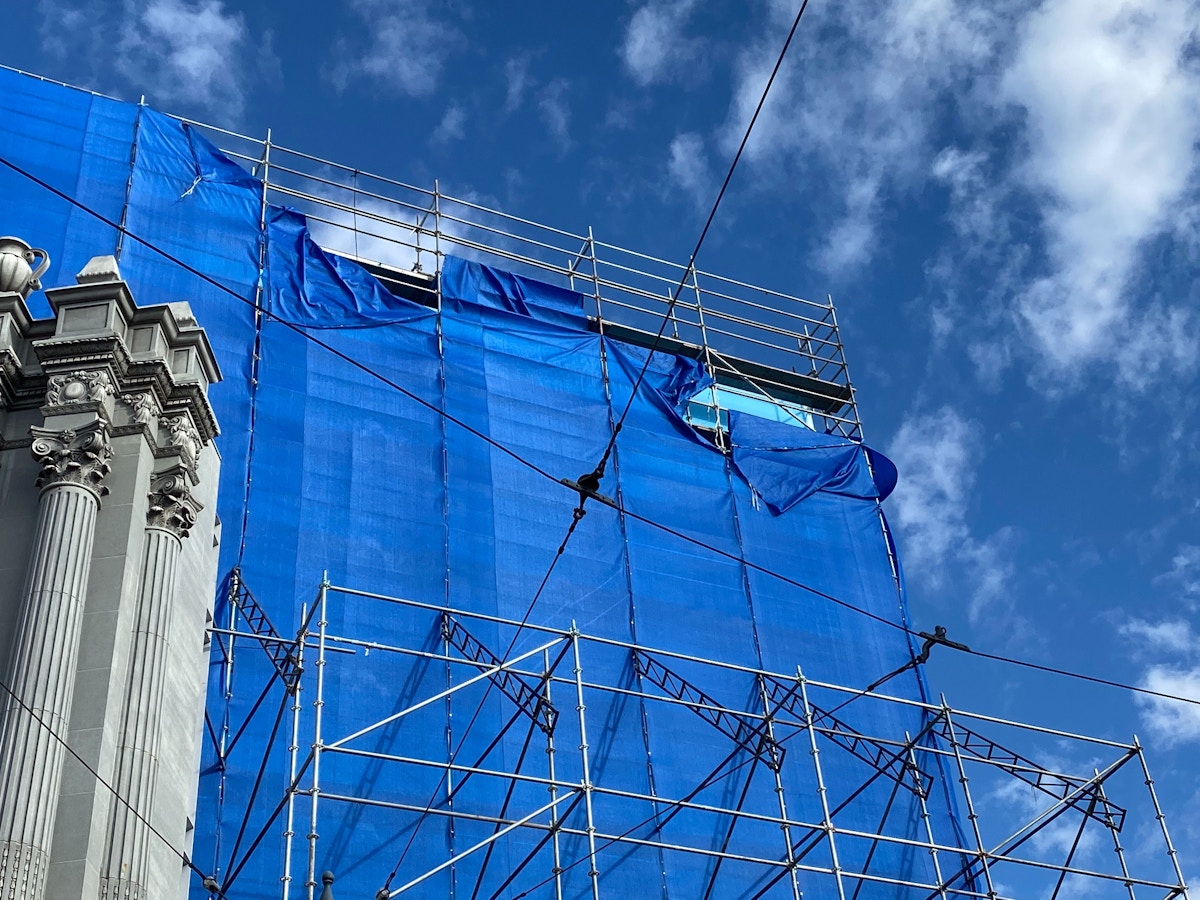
{"points": [[593, 479], [689, 270], [117, 795], [529, 464]]}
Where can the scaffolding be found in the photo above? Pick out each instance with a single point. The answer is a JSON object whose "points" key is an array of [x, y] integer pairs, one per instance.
{"points": [[1027, 828], [771, 353]]}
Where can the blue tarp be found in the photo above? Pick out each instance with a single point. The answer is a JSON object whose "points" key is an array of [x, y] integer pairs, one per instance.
{"points": [[327, 468]]}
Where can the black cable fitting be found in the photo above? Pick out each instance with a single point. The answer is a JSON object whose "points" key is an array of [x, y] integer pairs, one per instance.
{"points": [[938, 637], [587, 487]]}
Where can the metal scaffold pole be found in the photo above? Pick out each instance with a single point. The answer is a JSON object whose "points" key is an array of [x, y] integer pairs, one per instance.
{"points": [[553, 786], [827, 820], [580, 707], [789, 852], [933, 853], [289, 830], [966, 789], [1162, 820], [317, 745]]}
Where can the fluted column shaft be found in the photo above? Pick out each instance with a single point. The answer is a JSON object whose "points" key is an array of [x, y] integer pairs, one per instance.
{"points": [[127, 853], [42, 674]]}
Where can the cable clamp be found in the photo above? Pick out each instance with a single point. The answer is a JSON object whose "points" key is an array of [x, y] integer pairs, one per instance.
{"points": [[938, 637]]}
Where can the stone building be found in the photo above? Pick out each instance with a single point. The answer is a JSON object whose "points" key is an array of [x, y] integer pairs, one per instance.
{"points": [[108, 479]]}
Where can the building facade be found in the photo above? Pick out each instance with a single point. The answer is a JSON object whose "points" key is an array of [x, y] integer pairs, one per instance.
{"points": [[531, 567], [107, 573]]}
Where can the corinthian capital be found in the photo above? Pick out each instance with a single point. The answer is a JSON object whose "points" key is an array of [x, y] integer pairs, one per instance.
{"points": [[171, 504], [74, 456]]}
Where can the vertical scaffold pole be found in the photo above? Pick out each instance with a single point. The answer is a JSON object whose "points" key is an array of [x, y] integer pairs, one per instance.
{"points": [[827, 819], [289, 828], [437, 240], [790, 855], [1162, 820], [553, 788], [971, 816], [1112, 829], [451, 829], [591, 243], [580, 708], [933, 854], [318, 706], [855, 429], [716, 400]]}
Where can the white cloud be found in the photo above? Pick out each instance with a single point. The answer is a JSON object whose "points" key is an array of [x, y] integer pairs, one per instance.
{"points": [[517, 82], [1171, 721], [1184, 573], [688, 167], [654, 47], [1111, 103], [191, 56], [1172, 636], [556, 114], [936, 454], [453, 126], [405, 50], [857, 108]]}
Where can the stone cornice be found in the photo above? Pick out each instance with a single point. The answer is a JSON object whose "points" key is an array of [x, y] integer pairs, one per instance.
{"points": [[100, 337]]}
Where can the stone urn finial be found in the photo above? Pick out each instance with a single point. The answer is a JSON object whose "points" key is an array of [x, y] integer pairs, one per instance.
{"points": [[17, 273]]}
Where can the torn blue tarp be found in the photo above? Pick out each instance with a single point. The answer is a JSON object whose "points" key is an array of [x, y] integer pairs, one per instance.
{"points": [[310, 286], [784, 464], [478, 284]]}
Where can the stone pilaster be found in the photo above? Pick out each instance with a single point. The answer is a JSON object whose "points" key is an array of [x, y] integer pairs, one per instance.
{"points": [[74, 463], [170, 516]]}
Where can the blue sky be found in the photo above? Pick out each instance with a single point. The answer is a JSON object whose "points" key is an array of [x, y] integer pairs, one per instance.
{"points": [[1001, 198]]}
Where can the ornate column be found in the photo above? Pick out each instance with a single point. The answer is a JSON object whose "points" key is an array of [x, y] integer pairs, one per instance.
{"points": [[170, 516], [75, 462]]}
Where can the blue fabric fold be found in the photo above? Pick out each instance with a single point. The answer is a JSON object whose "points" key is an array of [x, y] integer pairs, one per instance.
{"points": [[785, 465], [469, 282], [669, 383], [308, 286]]}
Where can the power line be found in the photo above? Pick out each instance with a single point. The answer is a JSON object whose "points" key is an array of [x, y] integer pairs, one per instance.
{"points": [[593, 480], [689, 270], [112, 790], [362, 367], [208, 279]]}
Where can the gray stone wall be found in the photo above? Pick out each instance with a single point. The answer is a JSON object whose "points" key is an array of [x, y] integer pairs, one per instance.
{"points": [[133, 646]]}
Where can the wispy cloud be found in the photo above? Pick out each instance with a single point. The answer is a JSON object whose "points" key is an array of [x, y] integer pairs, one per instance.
{"points": [[1170, 721], [1171, 636], [517, 82], [402, 46], [937, 456], [856, 108], [688, 168], [1172, 648], [556, 112], [655, 47], [193, 56], [452, 127], [1184, 574]]}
